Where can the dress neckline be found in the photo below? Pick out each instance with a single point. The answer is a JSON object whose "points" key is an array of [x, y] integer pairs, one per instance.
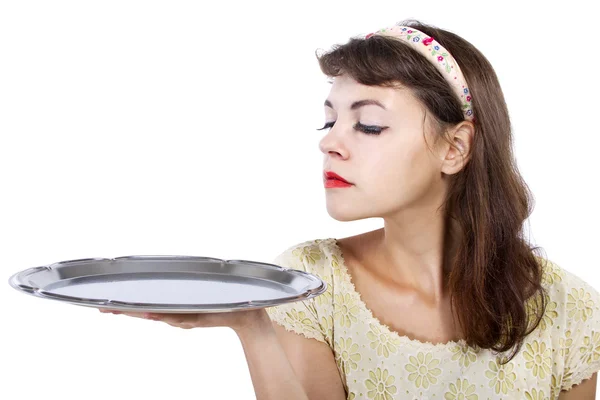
{"points": [[374, 320]]}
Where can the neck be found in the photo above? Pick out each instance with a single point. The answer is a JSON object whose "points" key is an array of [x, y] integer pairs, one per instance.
{"points": [[415, 254]]}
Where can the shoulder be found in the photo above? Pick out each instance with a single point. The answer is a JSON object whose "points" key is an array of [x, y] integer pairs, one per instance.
{"points": [[310, 256], [574, 306], [309, 317], [569, 289]]}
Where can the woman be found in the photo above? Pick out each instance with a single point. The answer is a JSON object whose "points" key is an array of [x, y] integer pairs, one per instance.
{"points": [[447, 300]]}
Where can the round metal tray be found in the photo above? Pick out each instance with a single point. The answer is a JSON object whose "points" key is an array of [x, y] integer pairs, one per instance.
{"points": [[168, 284]]}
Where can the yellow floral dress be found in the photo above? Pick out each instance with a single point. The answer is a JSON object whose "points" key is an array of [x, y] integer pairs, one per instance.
{"points": [[375, 362]]}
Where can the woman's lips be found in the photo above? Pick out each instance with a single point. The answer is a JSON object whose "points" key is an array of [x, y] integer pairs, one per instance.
{"points": [[333, 175], [333, 180], [336, 183]]}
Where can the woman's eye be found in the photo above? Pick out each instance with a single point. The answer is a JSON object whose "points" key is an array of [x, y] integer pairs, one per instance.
{"points": [[368, 129], [326, 126]]}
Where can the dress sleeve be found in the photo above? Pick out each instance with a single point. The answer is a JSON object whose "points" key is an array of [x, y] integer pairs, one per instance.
{"points": [[301, 317], [581, 342]]}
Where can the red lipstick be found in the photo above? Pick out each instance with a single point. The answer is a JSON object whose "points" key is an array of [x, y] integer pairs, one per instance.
{"points": [[333, 180]]}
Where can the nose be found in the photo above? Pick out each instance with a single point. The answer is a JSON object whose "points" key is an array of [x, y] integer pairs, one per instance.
{"points": [[332, 152], [331, 144]]}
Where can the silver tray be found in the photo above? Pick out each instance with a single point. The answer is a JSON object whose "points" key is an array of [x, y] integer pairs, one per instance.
{"points": [[170, 284]]}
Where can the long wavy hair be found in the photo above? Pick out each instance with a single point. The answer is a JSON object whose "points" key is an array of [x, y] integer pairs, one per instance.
{"points": [[495, 279]]}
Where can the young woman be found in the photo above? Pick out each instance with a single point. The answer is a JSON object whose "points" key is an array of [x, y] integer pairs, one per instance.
{"points": [[447, 300]]}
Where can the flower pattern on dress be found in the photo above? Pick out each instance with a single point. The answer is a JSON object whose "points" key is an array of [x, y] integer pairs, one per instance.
{"points": [[382, 341], [590, 350], [308, 254], [567, 374], [535, 394], [461, 390], [549, 315], [550, 274], [539, 358], [299, 318], [423, 369], [327, 326], [501, 376], [346, 311], [555, 386], [465, 355], [580, 304], [565, 344], [348, 354], [380, 385], [336, 267]]}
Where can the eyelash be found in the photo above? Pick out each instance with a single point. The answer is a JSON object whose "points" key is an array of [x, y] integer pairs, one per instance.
{"points": [[369, 130]]}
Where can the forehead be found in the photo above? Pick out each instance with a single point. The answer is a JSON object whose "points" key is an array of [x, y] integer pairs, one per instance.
{"points": [[345, 90]]}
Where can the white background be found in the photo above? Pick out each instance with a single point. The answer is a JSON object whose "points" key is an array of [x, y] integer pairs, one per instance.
{"points": [[189, 128]]}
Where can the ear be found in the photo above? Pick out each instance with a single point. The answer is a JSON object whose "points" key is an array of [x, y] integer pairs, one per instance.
{"points": [[458, 156]]}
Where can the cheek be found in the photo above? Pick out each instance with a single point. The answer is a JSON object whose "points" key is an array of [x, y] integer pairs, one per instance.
{"points": [[400, 173], [393, 165]]}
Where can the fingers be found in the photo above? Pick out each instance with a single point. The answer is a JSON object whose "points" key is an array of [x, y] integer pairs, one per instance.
{"points": [[129, 313], [184, 321], [105, 311], [175, 319], [182, 325]]}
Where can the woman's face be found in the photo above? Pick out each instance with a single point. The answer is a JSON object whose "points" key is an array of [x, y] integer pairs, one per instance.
{"points": [[390, 172]]}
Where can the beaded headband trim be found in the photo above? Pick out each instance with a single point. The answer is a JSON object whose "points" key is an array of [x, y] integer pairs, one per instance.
{"points": [[439, 56]]}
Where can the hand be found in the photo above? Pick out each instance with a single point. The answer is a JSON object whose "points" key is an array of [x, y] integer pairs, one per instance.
{"points": [[236, 320]]}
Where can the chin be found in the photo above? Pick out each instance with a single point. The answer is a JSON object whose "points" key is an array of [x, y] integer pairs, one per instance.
{"points": [[345, 213]]}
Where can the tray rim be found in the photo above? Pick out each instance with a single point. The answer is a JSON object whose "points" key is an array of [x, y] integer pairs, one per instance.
{"points": [[17, 281]]}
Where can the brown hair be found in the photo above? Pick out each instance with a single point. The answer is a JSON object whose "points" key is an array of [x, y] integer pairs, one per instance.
{"points": [[495, 272]]}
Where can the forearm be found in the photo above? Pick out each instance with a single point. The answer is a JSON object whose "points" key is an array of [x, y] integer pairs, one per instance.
{"points": [[272, 374]]}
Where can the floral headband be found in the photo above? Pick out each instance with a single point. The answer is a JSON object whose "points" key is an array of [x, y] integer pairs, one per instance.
{"points": [[439, 56]]}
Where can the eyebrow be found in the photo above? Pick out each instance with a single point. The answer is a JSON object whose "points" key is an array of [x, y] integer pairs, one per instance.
{"points": [[360, 103]]}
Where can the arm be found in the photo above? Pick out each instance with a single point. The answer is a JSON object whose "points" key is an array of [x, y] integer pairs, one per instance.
{"points": [[286, 365], [586, 390]]}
